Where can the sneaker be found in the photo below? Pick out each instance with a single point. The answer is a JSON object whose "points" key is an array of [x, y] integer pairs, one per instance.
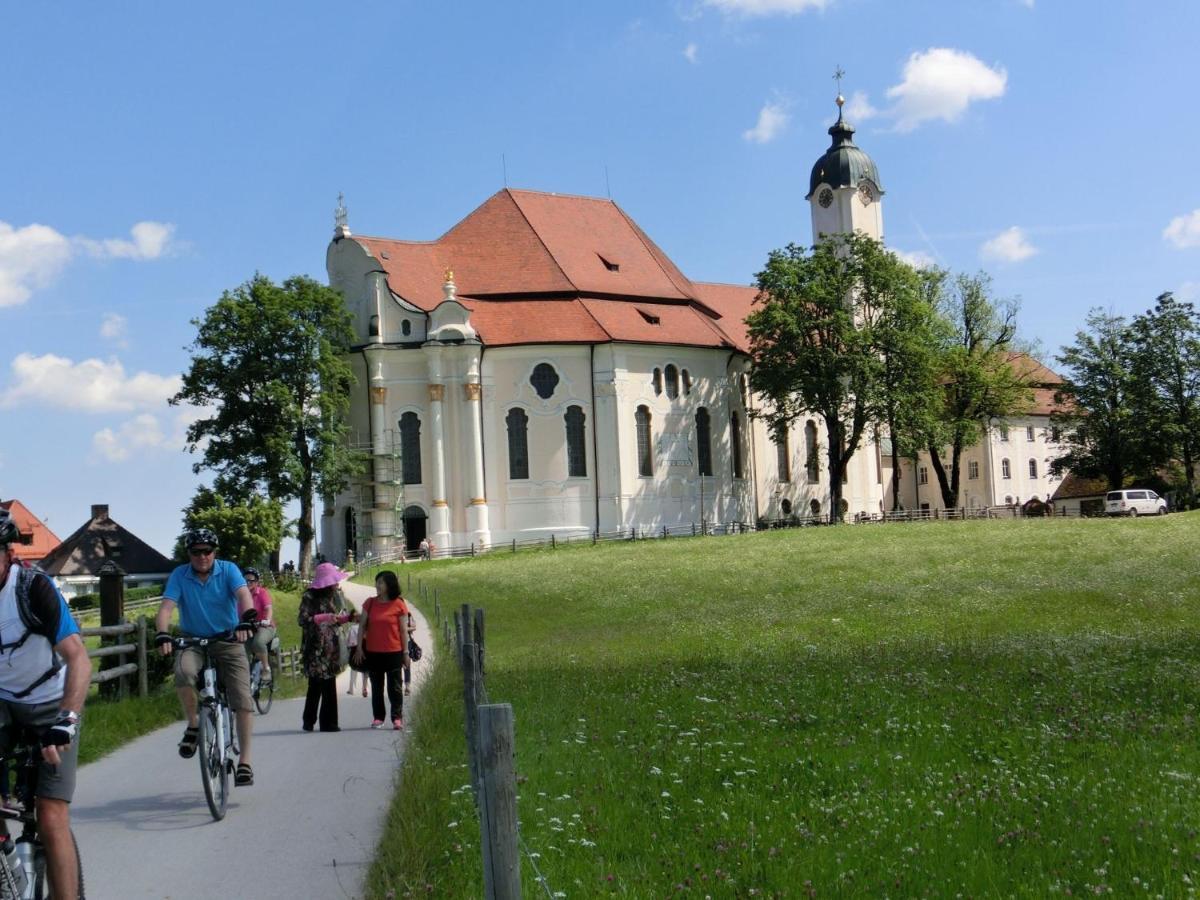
{"points": [[397, 724], [377, 724]]}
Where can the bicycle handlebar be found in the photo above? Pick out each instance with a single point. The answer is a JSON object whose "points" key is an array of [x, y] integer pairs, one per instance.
{"points": [[227, 637]]}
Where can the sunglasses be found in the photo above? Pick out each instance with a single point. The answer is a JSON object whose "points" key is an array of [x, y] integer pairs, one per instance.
{"points": [[201, 551]]}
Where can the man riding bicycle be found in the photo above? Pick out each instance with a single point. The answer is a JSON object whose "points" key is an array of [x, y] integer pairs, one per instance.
{"points": [[44, 678], [213, 601]]}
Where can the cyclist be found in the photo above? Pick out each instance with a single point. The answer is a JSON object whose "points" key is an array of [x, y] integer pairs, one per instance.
{"points": [[43, 682], [261, 641], [213, 600]]}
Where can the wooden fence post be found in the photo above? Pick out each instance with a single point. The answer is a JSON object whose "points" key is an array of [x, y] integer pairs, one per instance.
{"points": [[143, 675], [478, 634], [467, 635], [458, 636], [498, 804], [470, 702], [112, 612]]}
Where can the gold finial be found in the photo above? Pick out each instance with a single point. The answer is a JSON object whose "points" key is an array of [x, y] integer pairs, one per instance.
{"points": [[449, 275]]}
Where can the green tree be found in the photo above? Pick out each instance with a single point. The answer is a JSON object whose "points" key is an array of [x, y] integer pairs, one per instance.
{"points": [[815, 339], [248, 531], [975, 376], [1094, 413], [268, 366], [1166, 387]]}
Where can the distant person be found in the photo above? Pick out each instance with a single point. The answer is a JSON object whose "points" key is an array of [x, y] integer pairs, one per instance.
{"points": [[321, 654], [44, 681], [260, 644], [424, 547], [213, 602], [382, 645]]}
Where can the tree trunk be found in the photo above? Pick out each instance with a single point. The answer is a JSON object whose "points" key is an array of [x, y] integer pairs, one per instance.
{"points": [[304, 528], [895, 477], [939, 470], [836, 468]]}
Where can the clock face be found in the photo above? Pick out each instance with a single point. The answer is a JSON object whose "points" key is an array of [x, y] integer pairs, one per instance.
{"points": [[825, 198], [864, 193]]}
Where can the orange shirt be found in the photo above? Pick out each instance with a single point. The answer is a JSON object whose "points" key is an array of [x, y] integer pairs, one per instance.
{"points": [[384, 633]]}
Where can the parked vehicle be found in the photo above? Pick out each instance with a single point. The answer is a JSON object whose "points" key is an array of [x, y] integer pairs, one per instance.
{"points": [[1135, 503]]}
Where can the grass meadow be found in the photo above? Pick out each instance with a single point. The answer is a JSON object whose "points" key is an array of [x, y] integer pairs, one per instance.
{"points": [[946, 709]]}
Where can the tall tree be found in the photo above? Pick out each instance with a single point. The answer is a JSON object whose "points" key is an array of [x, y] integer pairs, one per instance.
{"points": [[268, 366], [815, 339], [976, 379], [249, 531], [1166, 385], [1094, 413]]}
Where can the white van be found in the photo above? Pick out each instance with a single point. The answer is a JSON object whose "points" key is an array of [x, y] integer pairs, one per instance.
{"points": [[1135, 503]]}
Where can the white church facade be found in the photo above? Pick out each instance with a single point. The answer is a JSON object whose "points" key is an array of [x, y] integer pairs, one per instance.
{"points": [[544, 368]]}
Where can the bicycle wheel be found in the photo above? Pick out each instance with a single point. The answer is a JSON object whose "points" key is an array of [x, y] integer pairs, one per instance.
{"points": [[213, 774], [41, 889], [264, 696]]}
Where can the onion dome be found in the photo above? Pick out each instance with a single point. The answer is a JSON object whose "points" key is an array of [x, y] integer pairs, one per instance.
{"points": [[844, 163]]}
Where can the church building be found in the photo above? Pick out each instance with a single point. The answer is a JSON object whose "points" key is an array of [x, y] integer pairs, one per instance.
{"points": [[544, 368]]}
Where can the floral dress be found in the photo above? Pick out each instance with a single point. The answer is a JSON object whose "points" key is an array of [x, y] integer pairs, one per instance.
{"points": [[321, 651]]}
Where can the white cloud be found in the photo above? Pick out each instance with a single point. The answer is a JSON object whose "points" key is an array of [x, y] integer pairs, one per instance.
{"points": [[114, 328], [772, 119], [918, 259], [859, 108], [940, 84], [139, 433], [766, 7], [1010, 245], [92, 385], [30, 257], [689, 53], [35, 255], [1183, 232]]}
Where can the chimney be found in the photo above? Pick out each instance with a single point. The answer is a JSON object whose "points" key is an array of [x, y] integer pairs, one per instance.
{"points": [[100, 512]]}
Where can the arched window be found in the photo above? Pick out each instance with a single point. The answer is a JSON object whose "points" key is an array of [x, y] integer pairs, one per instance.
{"points": [[783, 456], [518, 443], [672, 382], [1005, 469], [645, 449], [1033, 468], [735, 438], [744, 387], [814, 507], [811, 461], [687, 383], [373, 327], [544, 380], [786, 506], [410, 447], [703, 441], [405, 327], [656, 380], [576, 448]]}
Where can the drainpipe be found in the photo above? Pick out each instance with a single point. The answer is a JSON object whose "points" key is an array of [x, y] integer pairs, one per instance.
{"points": [[595, 444]]}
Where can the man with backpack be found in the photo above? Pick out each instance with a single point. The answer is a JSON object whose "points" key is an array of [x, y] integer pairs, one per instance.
{"points": [[43, 684]]}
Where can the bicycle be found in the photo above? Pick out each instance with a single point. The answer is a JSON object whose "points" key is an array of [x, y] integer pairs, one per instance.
{"points": [[264, 692], [217, 738], [23, 861]]}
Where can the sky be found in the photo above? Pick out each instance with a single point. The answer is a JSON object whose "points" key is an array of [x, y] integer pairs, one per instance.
{"points": [[156, 154]]}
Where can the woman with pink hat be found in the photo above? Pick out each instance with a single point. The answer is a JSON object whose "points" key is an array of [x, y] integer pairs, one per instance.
{"points": [[320, 651]]}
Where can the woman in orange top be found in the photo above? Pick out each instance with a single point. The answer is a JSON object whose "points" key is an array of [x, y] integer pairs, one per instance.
{"points": [[383, 642]]}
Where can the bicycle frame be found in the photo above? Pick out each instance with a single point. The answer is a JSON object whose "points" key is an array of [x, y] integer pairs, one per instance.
{"points": [[217, 739]]}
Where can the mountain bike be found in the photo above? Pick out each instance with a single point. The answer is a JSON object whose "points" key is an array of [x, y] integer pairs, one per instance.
{"points": [[217, 738], [23, 862], [264, 692]]}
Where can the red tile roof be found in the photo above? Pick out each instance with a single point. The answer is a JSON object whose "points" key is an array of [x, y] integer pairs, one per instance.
{"points": [[41, 539]]}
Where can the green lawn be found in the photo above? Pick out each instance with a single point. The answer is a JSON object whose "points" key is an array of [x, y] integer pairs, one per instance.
{"points": [[943, 709]]}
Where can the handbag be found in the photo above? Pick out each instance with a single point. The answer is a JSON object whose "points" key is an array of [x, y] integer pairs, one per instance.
{"points": [[414, 650], [343, 649]]}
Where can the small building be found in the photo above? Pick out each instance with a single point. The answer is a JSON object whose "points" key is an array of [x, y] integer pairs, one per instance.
{"points": [[37, 540], [1079, 496], [75, 563]]}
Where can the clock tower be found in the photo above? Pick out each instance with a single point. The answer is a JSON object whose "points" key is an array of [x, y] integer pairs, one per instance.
{"points": [[844, 192]]}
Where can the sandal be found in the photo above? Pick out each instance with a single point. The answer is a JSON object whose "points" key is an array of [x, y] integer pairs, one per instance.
{"points": [[191, 737], [244, 776]]}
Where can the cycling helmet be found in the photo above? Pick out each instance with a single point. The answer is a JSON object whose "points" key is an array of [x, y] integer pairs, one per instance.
{"points": [[9, 533], [200, 536], [248, 571]]}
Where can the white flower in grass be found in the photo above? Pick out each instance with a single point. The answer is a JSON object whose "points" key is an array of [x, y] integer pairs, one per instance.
{"points": [[655, 770], [452, 825], [665, 794]]}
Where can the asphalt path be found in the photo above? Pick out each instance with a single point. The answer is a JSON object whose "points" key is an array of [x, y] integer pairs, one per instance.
{"points": [[306, 828]]}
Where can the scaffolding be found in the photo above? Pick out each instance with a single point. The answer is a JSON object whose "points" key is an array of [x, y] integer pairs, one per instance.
{"points": [[377, 498]]}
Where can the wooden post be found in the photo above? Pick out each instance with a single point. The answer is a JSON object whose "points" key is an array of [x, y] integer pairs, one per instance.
{"points": [[479, 642], [143, 671], [112, 612], [458, 636], [468, 637], [470, 702], [498, 804]]}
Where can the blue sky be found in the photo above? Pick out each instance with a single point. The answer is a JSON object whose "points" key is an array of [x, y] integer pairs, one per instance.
{"points": [[156, 154]]}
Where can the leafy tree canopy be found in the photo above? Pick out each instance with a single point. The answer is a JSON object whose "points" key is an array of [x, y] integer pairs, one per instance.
{"points": [[248, 531]]}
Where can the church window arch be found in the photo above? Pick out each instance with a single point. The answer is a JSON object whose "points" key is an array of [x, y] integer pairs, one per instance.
{"points": [[645, 449], [1005, 469], [811, 462], [576, 445], [783, 456], [373, 327], [672, 374], [735, 440], [786, 506], [405, 327], [686, 378], [656, 379], [544, 380], [410, 448], [518, 443], [704, 441], [814, 507]]}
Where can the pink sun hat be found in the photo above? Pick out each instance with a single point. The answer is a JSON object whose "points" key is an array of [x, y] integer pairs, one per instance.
{"points": [[327, 575]]}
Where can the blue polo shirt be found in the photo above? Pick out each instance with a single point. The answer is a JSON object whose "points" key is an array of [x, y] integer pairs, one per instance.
{"points": [[209, 608]]}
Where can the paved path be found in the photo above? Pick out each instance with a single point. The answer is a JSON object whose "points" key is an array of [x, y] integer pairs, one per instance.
{"points": [[307, 828]]}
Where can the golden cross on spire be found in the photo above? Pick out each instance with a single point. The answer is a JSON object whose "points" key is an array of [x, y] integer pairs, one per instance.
{"points": [[838, 75]]}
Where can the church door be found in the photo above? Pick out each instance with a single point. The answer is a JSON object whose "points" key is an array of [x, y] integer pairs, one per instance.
{"points": [[415, 522]]}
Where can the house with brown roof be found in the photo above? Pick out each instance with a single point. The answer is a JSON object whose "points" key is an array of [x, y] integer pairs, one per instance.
{"points": [[75, 563], [544, 368], [37, 539]]}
